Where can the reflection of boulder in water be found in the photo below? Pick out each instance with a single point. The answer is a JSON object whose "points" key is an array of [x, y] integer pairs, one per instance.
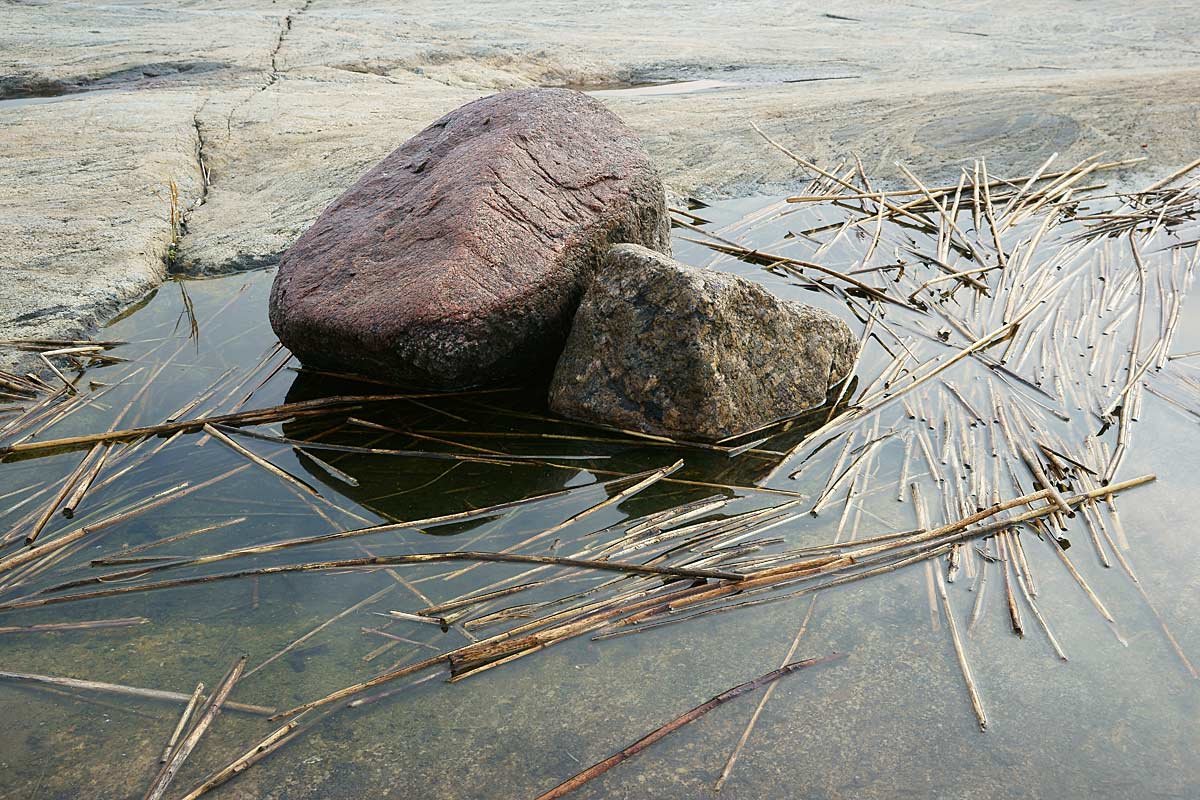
{"points": [[411, 487]]}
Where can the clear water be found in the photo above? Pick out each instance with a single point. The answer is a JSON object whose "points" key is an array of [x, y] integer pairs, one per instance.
{"points": [[890, 721]]}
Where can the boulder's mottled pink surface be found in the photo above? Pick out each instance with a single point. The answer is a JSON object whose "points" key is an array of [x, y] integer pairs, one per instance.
{"points": [[460, 258]]}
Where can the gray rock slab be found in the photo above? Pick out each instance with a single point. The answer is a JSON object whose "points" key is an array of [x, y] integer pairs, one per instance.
{"points": [[664, 348], [289, 103]]}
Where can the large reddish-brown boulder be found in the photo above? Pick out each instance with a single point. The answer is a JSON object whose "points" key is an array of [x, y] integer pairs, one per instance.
{"points": [[460, 258]]}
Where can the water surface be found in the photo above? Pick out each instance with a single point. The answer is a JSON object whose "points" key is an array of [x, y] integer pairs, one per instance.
{"points": [[1116, 720]]}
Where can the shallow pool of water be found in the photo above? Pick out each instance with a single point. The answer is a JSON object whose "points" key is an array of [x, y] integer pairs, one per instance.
{"points": [[1118, 719]]}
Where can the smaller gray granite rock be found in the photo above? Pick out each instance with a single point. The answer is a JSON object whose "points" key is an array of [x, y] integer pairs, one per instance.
{"points": [[661, 347]]}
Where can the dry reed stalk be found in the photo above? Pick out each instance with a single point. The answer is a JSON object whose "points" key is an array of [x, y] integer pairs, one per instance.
{"points": [[862, 345], [252, 417], [727, 770], [326, 467], [305, 637], [652, 478], [980, 589], [1037, 614], [84, 483], [181, 725], [438, 622], [129, 551], [1014, 612], [792, 265], [127, 691], [852, 471], [600, 768], [1032, 462], [961, 654], [259, 461], [87, 625], [1174, 176], [59, 542], [922, 516], [363, 563], [271, 743], [203, 721], [1023, 563], [70, 387], [927, 545], [985, 183], [410, 587], [836, 473], [150, 504], [946, 219], [418, 524], [505, 646], [474, 599], [65, 489]]}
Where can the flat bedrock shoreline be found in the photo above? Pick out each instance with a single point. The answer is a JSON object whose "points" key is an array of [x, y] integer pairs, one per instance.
{"points": [[261, 114]]}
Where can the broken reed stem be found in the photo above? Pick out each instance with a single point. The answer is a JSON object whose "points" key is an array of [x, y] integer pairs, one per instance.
{"points": [[273, 741], [85, 483], [373, 562], [127, 691], [159, 787], [762, 702], [999, 183], [68, 484], [961, 654], [661, 732], [236, 419], [1014, 612], [922, 515], [791, 653], [182, 724], [157, 501], [462, 516], [283, 475], [790, 264], [93, 624], [1022, 582]]}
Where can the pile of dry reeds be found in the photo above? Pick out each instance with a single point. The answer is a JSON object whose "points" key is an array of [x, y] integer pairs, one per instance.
{"points": [[1008, 330]]}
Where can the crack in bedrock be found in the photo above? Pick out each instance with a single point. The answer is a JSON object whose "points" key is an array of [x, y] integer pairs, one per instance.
{"points": [[284, 29], [205, 178]]}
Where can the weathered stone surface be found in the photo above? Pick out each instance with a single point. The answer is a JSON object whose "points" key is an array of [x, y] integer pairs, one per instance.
{"points": [[284, 103], [84, 213], [665, 348], [460, 258]]}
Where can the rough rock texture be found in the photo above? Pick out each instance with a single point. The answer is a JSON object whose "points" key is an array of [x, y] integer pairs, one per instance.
{"points": [[459, 259], [264, 111], [83, 213], [665, 348]]}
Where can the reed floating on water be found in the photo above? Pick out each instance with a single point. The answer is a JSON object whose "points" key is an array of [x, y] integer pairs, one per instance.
{"points": [[1004, 344], [598, 769]]}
